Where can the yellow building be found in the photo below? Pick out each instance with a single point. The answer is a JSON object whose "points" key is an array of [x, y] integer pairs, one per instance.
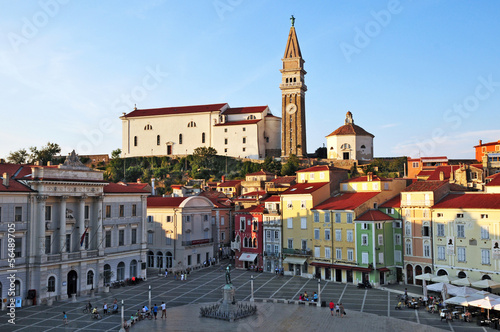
{"points": [[466, 231]]}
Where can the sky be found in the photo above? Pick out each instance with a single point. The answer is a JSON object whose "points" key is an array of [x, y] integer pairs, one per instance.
{"points": [[422, 76]]}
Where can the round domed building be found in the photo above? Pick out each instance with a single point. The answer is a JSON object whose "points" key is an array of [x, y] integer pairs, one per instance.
{"points": [[350, 142]]}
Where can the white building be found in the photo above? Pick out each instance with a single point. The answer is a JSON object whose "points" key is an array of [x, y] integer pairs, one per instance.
{"points": [[179, 232], [70, 227], [350, 142], [272, 234], [246, 132]]}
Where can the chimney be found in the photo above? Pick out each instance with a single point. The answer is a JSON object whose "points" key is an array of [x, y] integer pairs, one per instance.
{"points": [[153, 186], [369, 176], [480, 142], [223, 179], [441, 176], [5, 179], [139, 180]]}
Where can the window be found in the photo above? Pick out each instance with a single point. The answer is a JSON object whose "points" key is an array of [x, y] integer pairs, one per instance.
{"points": [[134, 210], [48, 213], [68, 242], [316, 233], [316, 216], [398, 256], [408, 229], [338, 253], [350, 255], [349, 235], [364, 239], [303, 223], [441, 253], [18, 214], [225, 130], [121, 237], [150, 238], [427, 250], [364, 258], [327, 216], [381, 257], [90, 277], [322, 175], [380, 240], [485, 232], [414, 164], [242, 223], [290, 223], [397, 239], [268, 234], [440, 229], [460, 215], [47, 244], [244, 140], [337, 218], [344, 186], [304, 244], [148, 127], [461, 254], [180, 138], [349, 218], [303, 204], [157, 139], [223, 236], [202, 137], [317, 252], [311, 176], [87, 212], [276, 235], [408, 213], [290, 243], [108, 239], [364, 226], [0, 213], [289, 205], [484, 216], [327, 234], [397, 224], [426, 231], [122, 211], [133, 236], [244, 129], [51, 284], [108, 211], [86, 240], [225, 141], [338, 235], [135, 140], [222, 221], [440, 215], [485, 256], [328, 252], [425, 213], [379, 225], [461, 231], [408, 248], [191, 124], [243, 149], [168, 240], [150, 218]]}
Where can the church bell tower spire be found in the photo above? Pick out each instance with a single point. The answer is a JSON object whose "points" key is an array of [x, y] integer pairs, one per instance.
{"points": [[293, 90]]}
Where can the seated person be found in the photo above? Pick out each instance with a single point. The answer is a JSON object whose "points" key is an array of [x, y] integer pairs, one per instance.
{"points": [[301, 297], [115, 308], [94, 311], [306, 297], [315, 297]]}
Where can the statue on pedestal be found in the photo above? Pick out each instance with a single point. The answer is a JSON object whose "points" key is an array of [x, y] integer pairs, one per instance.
{"points": [[228, 274]]}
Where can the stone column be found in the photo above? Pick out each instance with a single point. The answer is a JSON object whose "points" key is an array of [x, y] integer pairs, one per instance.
{"points": [[98, 222], [40, 220], [81, 220], [62, 224]]}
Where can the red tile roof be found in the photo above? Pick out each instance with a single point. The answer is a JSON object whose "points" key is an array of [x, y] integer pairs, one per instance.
{"points": [[319, 168], [254, 193], [446, 172], [262, 172], [13, 171], [394, 202], [425, 172], [274, 198], [284, 179], [235, 123], [227, 184], [365, 179], [245, 110], [345, 201], [469, 201], [252, 209], [176, 110], [495, 180], [350, 129], [304, 188], [123, 188], [155, 201], [425, 186], [374, 215], [487, 144]]}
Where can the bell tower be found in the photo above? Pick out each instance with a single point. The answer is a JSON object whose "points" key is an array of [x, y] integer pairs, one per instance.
{"points": [[293, 90]]}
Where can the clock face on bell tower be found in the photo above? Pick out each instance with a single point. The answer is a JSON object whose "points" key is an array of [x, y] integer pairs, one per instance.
{"points": [[293, 90]]}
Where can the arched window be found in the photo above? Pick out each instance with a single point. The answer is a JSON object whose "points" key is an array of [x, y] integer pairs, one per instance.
{"points": [[287, 80], [345, 146], [363, 146], [191, 124], [51, 284], [180, 138], [442, 273], [90, 277], [462, 275], [245, 243], [251, 117], [159, 259], [255, 243], [158, 140], [169, 257], [107, 273], [486, 277], [133, 268], [202, 137], [148, 127], [151, 259], [120, 271], [294, 79], [135, 140], [17, 288]]}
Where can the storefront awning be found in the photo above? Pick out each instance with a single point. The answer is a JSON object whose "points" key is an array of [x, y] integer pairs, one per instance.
{"points": [[247, 257], [294, 260], [383, 269]]}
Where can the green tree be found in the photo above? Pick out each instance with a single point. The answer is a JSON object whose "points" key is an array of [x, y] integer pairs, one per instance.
{"points": [[204, 157], [320, 152], [115, 154], [45, 154], [272, 165], [133, 173], [18, 157], [291, 166]]}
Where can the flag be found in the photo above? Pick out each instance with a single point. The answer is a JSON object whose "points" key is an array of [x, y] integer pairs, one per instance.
{"points": [[83, 236]]}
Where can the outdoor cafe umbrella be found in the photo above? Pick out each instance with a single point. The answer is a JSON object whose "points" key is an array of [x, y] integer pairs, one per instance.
{"points": [[444, 292], [438, 287], [462, 282], [486, 303], [424, 277], [486, 283], [463, 300], [444, 278], [462, 291]]}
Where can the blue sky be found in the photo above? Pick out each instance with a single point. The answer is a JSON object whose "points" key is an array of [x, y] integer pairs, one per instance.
{"points": [[422, 76]]}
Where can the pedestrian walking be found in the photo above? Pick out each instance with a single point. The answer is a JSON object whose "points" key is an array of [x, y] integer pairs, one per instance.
{"points": [[166, 273], [155, 310], [332, 307], [337, 310], [182, 276], [163, 310], [65, 318], [105, 308], [342, 311]]}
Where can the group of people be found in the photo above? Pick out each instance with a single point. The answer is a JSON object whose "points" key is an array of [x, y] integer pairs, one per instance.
{"points": [[338, 308], [279, 271], [305, 297]]}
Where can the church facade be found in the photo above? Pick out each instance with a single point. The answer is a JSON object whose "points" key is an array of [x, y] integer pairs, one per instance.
{"points": [[244, 132]]}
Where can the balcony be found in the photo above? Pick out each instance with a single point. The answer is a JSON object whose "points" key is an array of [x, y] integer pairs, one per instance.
{"points": [[74, 255], [53, 258], [271, 254], [297, 252]]}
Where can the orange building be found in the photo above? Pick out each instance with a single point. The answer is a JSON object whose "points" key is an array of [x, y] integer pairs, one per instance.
{"points": [[485, 148], [424, 166]]}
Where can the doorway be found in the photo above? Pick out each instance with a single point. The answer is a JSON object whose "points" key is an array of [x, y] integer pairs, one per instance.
{"points": [[349, 276], [338, 275], [72, 282], [382, 278], [328, 275], [346, 156]]}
